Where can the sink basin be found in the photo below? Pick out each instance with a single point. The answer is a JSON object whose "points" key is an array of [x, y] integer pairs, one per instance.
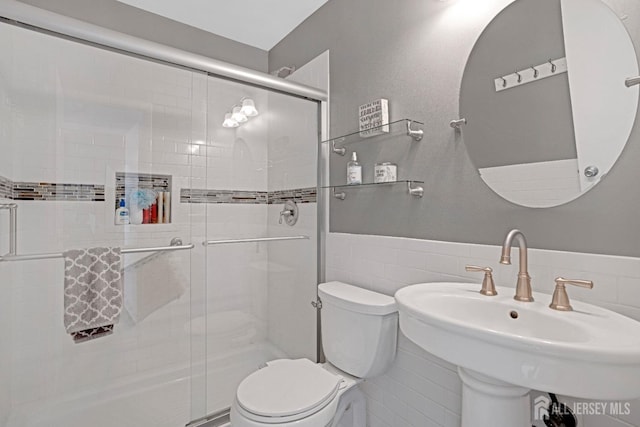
{"points": [[590, 353]]}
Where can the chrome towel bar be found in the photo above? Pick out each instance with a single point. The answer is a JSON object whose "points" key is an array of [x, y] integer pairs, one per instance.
{"points": [[256, 239], [32, 257]]}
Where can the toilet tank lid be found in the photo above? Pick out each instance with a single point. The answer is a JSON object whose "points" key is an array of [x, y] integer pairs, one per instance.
{"points": [[356, 299]]}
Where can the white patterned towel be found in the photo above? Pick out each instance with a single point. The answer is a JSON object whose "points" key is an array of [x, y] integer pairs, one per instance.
{"points": [[92, 292]]}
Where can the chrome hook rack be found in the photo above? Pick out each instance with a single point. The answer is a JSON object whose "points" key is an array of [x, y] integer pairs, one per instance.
{"points": [[531, 74]]}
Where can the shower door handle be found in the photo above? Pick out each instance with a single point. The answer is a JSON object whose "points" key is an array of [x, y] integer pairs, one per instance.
{"points": [[13, 227]]}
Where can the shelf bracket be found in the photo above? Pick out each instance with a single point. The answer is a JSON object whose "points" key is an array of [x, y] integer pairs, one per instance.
{"points": [[340, 195], [418, 191], [415, 134], [338, 150]]}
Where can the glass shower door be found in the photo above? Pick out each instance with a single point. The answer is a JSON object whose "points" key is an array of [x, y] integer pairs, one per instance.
{"points": [[257, 294], [81, 129]]}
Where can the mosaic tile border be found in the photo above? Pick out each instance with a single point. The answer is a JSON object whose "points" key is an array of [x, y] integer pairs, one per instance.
{"points": [[6, 188], [299, 195], [46, 191], [193, 195]]}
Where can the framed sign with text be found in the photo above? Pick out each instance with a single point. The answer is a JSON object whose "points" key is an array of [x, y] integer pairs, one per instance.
{"points": [[373, 118]]}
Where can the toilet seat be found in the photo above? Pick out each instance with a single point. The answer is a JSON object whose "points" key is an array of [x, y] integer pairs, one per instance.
{"points": [[286, 391]]}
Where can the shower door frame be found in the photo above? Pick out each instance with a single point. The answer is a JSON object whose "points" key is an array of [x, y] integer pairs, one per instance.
{"points": [[13, 12]]}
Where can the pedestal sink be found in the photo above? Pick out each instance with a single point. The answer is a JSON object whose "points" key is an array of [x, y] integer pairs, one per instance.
{"points": [[504, 348]]}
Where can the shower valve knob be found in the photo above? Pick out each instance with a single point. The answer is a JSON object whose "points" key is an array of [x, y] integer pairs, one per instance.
{"points": [[285, 214], [289, 214]]}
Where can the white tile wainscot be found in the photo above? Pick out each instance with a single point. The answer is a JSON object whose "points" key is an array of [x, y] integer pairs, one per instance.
{"points": [[422, 390]]}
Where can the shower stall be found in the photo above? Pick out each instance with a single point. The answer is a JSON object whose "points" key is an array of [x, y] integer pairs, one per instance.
{"points": [[218, 274]]}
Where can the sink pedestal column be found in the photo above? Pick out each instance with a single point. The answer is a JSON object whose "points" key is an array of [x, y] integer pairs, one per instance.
{"points": [[490, 402]]}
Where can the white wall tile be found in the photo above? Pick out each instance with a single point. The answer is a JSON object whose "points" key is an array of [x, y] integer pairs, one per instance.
{"points": [[292, 283], [293, 131], [6, 171], [428, 387], [5, 334], [78, 114]]}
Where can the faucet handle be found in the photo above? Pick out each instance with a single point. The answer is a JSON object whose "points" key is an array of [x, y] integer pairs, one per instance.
{"points": [[560, 300], [488, 287]]}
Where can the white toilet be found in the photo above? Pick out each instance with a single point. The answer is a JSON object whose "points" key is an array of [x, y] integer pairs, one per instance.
{"points": [[359, 335]]}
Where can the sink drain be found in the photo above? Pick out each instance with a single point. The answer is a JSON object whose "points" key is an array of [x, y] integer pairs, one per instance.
{"points": [[513, 314]]}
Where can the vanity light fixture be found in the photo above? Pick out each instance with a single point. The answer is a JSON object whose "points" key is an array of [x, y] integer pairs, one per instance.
{"points": [[240, 113], [229, 122], [237, 115], [248, 107]]}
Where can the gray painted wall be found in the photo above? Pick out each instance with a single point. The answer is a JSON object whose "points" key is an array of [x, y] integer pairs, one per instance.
{"points": [[524, 124], [136, 22], [413, 52]]}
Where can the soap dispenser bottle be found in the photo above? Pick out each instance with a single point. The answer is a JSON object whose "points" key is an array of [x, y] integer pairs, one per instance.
{"points": [[122, 214], [354, 170]]}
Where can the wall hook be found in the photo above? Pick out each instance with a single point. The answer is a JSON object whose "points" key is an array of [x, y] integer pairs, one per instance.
{"points": [[553, 66], [535, 72], [632, 81], [457, 124], [340, 196], [504, 82], [519, 77]]}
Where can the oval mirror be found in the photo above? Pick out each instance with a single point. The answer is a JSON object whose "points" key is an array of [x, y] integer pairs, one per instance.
{"points": [[550, 97]]}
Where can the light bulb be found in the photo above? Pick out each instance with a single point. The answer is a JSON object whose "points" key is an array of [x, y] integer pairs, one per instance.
{"points": [[248, 108], [229, 122], [238, 116]]}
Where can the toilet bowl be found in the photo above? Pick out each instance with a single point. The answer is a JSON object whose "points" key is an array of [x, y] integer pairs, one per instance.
{"points": [[297, 393], [359, 333]]}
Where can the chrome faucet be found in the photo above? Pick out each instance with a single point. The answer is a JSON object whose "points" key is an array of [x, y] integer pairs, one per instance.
{"points": [[523, 287]]}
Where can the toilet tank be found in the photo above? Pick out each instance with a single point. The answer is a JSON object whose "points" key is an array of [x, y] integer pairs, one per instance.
{"points": [[359, 329]]}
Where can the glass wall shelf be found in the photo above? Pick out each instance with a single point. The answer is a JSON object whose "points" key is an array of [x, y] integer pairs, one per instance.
{"points": [[413, 187], [407, 127]]}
